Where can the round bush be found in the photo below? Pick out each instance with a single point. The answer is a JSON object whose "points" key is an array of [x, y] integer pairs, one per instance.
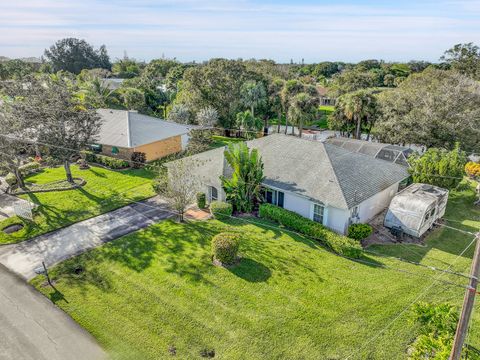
{"points": [[221, 210], [359, 231], [201, 200], [225, 247]]}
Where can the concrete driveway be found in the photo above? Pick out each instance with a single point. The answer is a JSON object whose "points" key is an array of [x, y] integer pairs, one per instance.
{"points": [[32, 328], [25, 257]]}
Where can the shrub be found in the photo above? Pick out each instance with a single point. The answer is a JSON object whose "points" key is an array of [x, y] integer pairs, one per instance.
{"points": [[201, 200], [472, 169], [359, 231], [221, 209], [336, 242], [225, 247], [29, 168], [138, 159], [107, 161], [10, 179]]}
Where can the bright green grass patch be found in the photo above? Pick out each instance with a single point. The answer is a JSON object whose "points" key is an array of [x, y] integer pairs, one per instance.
{"points": [[105, 190], [221, 141], [288, 298]]}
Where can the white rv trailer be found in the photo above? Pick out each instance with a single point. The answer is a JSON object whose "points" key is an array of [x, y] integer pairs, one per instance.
{"points": [[415, 209]]}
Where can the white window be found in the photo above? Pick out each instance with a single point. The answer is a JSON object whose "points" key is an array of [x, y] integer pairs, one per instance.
{"points": [[318, 211], [274, 197], [213, 193]]}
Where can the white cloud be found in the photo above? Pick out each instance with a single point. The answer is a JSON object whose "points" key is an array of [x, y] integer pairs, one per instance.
{"points": [[191, 29]]}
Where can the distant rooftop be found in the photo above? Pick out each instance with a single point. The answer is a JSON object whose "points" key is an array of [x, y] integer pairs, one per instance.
{"points": [[130, 129]]}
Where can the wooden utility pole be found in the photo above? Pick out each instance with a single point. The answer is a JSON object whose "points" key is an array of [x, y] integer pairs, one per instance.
{"points": [[468, 302]]}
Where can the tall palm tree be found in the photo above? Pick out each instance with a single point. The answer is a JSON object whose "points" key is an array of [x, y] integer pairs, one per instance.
{"points": [[253, 95], [301, 109], [356, 111], [275, 97]]}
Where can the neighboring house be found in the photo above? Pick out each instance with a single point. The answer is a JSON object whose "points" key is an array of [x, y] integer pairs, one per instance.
{"points": [[325, 99], [124, 132], [320, 181]]}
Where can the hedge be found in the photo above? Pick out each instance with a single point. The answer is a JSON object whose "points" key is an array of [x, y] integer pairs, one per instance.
{"points": [[29, 168], [108, 161], [336, 242], [359, 231], [201, 200], [220, 209], [225, 247]]}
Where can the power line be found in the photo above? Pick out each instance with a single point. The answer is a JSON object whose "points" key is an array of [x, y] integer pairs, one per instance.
{"points": [[409, 305]]}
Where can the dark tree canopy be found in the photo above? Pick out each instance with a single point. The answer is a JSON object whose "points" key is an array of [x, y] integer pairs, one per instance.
{"points": [[435, 108], [74, 55]]}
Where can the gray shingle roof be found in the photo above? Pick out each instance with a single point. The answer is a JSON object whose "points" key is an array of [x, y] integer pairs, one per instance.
{"points": [[130, 129], [318, 171]]}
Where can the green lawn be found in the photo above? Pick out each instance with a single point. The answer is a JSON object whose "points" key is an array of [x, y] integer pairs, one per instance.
{"points": [[105, 190], [288, 299], [221, 141]]}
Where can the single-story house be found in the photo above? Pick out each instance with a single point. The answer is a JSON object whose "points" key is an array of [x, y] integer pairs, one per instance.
{"points": [[321, 181], [124, 132], [325, 99]]}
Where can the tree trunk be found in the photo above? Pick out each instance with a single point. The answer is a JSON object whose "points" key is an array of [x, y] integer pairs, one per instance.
{"points": [[300, 128], [293, 129], [265, 126], [369, 131], [18, 176], [358, 132], [252, 110], [68, 172], [279, 120], [286, 123]]}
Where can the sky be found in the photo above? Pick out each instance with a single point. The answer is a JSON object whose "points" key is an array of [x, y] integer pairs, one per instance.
{"points": [[344, 30]]}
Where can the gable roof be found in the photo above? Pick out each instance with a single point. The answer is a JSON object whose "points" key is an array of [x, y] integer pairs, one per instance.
{"points": [[321, 172], [130, 129]]}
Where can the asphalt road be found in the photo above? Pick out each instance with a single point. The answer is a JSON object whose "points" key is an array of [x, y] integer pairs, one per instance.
{"points": [[32, 328]]}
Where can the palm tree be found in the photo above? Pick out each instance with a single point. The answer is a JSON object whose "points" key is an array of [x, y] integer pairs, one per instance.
{"points": [[253, 95], [275, 96], [301, 109], [290, 89], [359, 108]]}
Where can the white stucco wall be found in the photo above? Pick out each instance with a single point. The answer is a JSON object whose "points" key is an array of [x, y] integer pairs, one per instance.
{"points": [[374, 205], [298, 204], [337, 219], [185, 138], [333, 218]]}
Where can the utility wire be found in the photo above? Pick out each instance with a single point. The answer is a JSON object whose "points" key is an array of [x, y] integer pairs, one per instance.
{"points": [[379, 333]]}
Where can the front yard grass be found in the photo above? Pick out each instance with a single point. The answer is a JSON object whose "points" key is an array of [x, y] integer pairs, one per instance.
{"points": [[104, 191], [155, 292]]}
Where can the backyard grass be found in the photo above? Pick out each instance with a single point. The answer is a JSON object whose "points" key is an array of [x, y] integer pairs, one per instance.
{"points": [[155, 292], [221, 141], [104, 191]]}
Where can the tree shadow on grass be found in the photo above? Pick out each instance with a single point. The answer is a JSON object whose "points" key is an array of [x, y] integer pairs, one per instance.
{"points": [[135, 251], [96, 173], [251, 271]]}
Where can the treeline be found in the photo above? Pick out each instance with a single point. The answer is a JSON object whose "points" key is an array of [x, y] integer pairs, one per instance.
{"points": [[413, 102]]}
